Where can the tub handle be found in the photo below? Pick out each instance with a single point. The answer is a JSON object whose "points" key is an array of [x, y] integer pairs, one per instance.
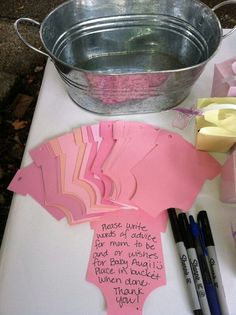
{"points": [[23, 39], [222, 4]]}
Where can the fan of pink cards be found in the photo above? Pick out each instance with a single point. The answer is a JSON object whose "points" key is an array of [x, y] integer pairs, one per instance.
{"points": [[120, 176], [111, 166]]}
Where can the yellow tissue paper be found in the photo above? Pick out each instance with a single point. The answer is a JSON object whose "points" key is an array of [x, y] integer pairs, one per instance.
{"points": [[216, 125]]}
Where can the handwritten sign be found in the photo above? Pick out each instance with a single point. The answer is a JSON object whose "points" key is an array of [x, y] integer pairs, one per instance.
{"points": [[126, 260]]}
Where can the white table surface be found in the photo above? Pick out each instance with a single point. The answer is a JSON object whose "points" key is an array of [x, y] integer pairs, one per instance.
{"points": [[43, 262]]}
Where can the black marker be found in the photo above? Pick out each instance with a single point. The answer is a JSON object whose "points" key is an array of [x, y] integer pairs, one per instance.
{"points": [[185, 262], [194, 263], [213, 261]]}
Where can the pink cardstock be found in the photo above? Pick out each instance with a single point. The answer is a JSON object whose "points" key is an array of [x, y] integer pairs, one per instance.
{"points": [[112, 166], [121, 132], [127, 135], [135, 127], [121, 88], [172, 174], [67, 152], [111, 159], [117, 134], [95, 204], [118, 138], [103, 152], [89, 174], [79, 160], [89, 156], [72, 206], [68, 156], [29, 181], [135, 148], [126, 260], [93, 153], [96, 134]]}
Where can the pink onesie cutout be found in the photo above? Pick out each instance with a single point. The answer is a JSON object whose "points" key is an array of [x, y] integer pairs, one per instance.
{"points": [[119, 135], [77, 180], [79, 160], [172, 174], [96, 134], [80, 188], [93, 154], [123, 131], [65, 149], [103, 152], [135, 148], [89, 156], [29, 181], [126, 260], [89, 173], [72, 206]]}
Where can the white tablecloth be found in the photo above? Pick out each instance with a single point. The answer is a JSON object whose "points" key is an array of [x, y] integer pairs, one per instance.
{"points": [[43, 262]]}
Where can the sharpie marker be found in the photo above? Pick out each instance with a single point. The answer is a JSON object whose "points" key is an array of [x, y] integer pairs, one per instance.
{"points": [[185, 262], [194, 263], [213, 261], [206, 275]]}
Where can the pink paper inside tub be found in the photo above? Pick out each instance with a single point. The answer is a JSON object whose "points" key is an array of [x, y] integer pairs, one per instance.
{"points": [[120, 88]]}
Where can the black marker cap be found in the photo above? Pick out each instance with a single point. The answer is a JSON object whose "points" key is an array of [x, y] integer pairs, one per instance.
{"points": [[204, 224], [185, 230], [175, 225]]}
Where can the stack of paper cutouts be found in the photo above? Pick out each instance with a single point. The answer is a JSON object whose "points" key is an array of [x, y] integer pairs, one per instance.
{"points": [[121, 176]]}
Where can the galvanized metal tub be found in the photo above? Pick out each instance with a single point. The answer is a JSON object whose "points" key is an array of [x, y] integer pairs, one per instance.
{"points": [[129, 56]]}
